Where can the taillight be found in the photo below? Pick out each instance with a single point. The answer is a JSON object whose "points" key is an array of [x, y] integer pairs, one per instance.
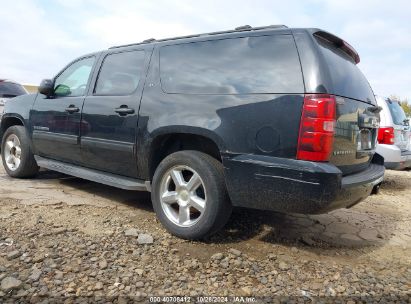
{"points": [[386, 135], [315, 141]]}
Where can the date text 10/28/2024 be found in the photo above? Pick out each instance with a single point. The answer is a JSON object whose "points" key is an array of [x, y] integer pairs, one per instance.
{"points": [[201, 299]]}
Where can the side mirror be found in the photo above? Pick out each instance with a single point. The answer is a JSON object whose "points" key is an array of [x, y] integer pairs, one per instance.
{"points": [[47, 87]]}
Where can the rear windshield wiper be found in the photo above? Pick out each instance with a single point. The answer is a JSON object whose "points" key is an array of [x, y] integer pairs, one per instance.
{"points": [[374, 109]]}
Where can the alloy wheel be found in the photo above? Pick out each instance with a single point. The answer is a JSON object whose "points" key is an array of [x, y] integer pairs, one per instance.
{"points": [[183, 196], [12, 152]]}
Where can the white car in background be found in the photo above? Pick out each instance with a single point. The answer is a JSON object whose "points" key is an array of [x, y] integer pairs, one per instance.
{"points": [[9, 89], [393, 135]]}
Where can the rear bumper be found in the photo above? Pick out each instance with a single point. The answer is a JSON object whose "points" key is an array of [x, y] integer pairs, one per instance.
{"points": [[394, 158], [403, 163], [294, 186]]}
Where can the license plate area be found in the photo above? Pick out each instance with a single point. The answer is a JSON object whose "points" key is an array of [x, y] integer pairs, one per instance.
{"points": [[404, 136], [365, 140]]}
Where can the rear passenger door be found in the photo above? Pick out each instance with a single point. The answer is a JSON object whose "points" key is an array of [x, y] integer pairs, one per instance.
{"points": [[110, 112]]}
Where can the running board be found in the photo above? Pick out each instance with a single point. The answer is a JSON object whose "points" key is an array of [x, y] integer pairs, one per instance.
{"points": [[114, 180]]}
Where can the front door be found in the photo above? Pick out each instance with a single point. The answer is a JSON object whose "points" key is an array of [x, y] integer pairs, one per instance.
{"points": [[56, 121], [111, 113]]}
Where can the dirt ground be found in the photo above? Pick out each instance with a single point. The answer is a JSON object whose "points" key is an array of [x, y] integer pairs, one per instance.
{"points": [[72, 240]]}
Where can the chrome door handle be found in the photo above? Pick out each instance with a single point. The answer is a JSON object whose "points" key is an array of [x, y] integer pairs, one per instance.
{"points": [[72, 109], [124, 111]]}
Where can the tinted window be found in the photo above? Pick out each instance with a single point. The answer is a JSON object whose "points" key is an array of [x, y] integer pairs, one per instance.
{"points": [[73, 80], [397, 112], [347, 79], [120, 73], [265, 64], [10, 89]]}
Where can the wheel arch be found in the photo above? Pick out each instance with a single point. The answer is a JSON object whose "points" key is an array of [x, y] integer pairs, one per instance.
{"points": [[165, 143], [10, 120]]}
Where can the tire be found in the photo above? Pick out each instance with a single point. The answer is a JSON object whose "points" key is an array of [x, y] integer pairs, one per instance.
{"points": [[211, 193], [17, 156]]}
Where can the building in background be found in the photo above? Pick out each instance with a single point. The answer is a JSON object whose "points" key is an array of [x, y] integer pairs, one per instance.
{"points": [[31, 88]]}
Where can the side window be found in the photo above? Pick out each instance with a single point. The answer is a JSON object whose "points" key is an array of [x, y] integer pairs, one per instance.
{"points": [[262, 64], [73, 81], [120, 73]]}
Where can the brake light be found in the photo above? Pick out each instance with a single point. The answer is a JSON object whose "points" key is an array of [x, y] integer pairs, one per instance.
{"points": [[386, 135], [339, 43], [346, 47], [316, 137]]}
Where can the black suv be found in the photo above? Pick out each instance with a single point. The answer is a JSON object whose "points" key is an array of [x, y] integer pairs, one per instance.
{"points": [[270, 118]]}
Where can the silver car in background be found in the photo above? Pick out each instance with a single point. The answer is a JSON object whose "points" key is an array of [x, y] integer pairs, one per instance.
{"points": [[9, 89], [393, 135]]}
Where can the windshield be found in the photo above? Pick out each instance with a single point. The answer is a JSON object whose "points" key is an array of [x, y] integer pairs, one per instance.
{"points": [[397, 113], [10, 89]]}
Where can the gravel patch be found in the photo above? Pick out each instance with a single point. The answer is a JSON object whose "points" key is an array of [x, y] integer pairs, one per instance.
{"points": [[118, 252]]}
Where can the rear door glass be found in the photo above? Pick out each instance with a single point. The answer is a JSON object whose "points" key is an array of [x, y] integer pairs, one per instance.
{"points": [[120, 73]]}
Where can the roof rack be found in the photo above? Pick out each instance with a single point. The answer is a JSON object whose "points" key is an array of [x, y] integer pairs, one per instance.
{"points": [[148, 40], [242, 28]]}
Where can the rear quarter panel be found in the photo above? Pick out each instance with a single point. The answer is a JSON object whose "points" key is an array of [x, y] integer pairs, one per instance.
{"points": [[265, 124]]}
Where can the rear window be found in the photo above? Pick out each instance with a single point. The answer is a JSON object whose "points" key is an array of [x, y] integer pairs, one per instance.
{"points": [[397, 112], [264, 64], [10, 89], [347, 79]]}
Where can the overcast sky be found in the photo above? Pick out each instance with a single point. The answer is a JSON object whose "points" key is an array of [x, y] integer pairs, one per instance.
{"points": [[39, 37]]}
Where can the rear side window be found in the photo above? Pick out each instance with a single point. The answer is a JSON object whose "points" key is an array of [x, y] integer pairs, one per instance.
{"points": [[347, 79], [10, 89], [397, 112], [120, 73], [264, 64]]}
